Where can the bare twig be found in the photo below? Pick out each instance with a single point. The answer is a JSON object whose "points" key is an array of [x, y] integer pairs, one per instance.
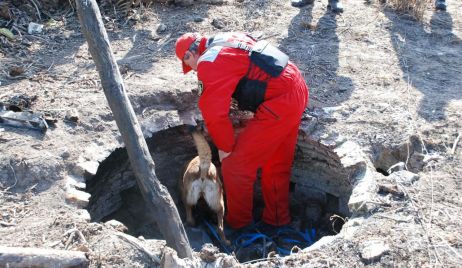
{"points": [[453, 150], [393, 218], [14, 176], [36, 7], [71, 237]]}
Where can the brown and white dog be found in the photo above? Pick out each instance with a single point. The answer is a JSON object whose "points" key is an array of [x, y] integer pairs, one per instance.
{"points": [[200, 180]]}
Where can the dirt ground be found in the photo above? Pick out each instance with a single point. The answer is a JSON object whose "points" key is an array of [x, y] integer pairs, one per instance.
{"points": [[395, 85]]}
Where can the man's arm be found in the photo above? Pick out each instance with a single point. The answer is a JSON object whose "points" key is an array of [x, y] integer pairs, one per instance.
{"points": [[219, 85]]}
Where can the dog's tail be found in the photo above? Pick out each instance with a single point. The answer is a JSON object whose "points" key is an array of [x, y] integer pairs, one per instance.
{"points": [[204, 152]]}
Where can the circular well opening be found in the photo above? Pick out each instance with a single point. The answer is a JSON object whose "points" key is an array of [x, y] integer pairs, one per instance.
{"points": [[319, 192]]}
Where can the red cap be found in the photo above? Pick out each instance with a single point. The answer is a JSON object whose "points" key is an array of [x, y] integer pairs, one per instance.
{"points": [[182, 45]]}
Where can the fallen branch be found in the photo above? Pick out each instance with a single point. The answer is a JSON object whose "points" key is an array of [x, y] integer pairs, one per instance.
{"points": [[38, 257], [6, 224], [155, 194]]}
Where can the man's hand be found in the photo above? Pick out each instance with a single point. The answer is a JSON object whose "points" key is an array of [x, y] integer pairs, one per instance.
{"points": [[222, 155]]}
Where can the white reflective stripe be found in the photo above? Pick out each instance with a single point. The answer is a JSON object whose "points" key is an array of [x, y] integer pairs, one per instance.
{"points": [[223, 39], [210, 55]]}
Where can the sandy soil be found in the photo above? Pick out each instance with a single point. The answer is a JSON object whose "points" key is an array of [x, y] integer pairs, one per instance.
{"points": [[395, 82]]}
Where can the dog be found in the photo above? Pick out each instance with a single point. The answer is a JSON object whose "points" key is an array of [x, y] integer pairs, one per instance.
{"points": [[201, 180]]}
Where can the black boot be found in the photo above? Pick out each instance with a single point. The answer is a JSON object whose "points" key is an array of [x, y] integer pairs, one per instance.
{"points": [[336, 6], [440, 5], [301, 3]]}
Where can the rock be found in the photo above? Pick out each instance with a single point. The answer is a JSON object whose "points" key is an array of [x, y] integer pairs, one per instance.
{"points": [[72, 115], [404, 177], [198, 19], [76, 182], [86, 169], [373, 250], [208, 252], [34, 28], [390, 189], [79, 198], [362, 197], [67, 34], [161, 28], [117, 225], [217, 23], [154, 37], [65, 155], [84, 215]]}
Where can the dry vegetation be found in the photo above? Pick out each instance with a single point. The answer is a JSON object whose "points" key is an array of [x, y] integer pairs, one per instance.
{"points": [[415, 8], [388, 76]]}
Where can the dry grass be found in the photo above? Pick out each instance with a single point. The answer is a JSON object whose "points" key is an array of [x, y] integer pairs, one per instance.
{"points": [[414, 8]]}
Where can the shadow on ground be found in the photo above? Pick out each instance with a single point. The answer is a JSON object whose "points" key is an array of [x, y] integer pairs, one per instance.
{"points": [[307, 47], [430, 57]]}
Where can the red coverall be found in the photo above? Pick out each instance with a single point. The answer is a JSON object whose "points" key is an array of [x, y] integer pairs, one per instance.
{"points": [[268, 141]]}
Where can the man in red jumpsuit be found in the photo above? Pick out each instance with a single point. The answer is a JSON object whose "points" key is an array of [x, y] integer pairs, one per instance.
{"points": [[268, 140]]}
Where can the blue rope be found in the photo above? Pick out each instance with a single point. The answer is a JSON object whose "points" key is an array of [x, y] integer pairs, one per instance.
{"points": [[247, 239], [307, 237], [250, 240]]}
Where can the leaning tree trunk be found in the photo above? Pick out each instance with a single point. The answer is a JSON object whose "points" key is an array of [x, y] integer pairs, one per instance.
{"points": [[154, 193]]}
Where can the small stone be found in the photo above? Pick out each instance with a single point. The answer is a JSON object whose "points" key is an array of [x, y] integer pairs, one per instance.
{"points": [[34, 28], [79, 198], [217, 23], [67, 34], [117, 225], [198, 19], [161, 28], [154, 37], [65, 155], [404, 177], [373, 250], [72, 115], [208, 253]]}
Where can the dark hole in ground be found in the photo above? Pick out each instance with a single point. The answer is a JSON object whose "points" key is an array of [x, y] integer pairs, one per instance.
{"points": [[319, 195]]}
